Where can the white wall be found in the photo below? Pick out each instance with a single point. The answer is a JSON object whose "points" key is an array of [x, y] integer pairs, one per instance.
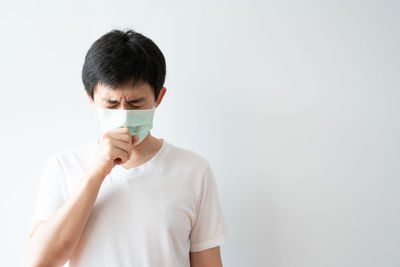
{"points": [[295, 104]]}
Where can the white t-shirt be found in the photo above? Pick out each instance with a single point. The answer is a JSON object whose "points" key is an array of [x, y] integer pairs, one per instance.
{"points": [[150, 215]]}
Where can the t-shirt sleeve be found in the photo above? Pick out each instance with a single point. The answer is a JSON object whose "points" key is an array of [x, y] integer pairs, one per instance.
{"points": [[209, 229], [49, 196]]}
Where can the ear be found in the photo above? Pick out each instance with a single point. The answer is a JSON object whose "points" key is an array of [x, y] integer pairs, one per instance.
{"points": [[90, 98], [160, 96]]}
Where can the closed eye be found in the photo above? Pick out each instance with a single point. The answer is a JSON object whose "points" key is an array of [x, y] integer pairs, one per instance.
{"points": [[114, 106], [112, 102]]}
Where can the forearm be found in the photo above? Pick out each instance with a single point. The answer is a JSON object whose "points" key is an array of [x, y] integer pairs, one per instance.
{"points": [[55, 239]]}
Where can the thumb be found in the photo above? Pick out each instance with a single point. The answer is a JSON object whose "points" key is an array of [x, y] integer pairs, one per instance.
{"points": [[135, 139]]}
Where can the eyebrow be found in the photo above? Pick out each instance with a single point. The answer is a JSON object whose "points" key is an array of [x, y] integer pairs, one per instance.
{"points": [[136, 100]]}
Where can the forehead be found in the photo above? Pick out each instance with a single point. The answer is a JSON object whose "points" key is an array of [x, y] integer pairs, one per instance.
{"points": [[127, 90]]}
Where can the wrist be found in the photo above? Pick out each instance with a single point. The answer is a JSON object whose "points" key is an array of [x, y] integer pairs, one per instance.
{"points": [[95, 175]]}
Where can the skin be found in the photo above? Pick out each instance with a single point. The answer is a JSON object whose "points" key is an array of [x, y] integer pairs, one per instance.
{"points": [[52, 242]]}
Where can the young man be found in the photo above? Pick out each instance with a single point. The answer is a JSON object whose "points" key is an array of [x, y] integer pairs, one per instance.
{"points": [[126, 198]]}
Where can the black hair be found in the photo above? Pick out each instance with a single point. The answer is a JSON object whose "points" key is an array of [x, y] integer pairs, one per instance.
{"points": [[119, 57]]}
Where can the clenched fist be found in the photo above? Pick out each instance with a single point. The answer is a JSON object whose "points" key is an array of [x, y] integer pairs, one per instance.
{"points": [[114, 147]]}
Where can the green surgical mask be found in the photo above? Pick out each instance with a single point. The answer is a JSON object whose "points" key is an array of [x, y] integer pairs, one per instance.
{"points": [[139, 121]]}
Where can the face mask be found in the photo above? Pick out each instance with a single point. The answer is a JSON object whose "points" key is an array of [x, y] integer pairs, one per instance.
{"points": [[139, 121]]}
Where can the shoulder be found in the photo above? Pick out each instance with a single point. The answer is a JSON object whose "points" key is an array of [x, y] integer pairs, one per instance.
{"points": [[71, 156], [186, 156]]}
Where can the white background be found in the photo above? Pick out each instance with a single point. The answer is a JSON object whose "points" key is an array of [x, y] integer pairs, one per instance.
{"points": [[294, 103]]}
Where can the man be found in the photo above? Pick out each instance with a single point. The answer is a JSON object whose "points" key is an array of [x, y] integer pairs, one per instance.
{"points": [[126, 198]]}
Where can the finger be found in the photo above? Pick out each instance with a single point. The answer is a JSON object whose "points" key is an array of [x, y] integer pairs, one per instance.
{"points": [[127, 147], [121, 130], [118, 153], [124, 137]]}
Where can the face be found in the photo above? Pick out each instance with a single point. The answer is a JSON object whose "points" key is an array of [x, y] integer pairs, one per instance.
{"points": [[125, 97]]}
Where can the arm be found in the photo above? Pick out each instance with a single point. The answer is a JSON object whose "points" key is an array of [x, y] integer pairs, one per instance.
{"points": [[53, 241], [209, 230], [206, 258]]}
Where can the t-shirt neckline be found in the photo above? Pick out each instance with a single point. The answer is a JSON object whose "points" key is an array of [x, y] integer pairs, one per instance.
{"points": [[146, 165]]}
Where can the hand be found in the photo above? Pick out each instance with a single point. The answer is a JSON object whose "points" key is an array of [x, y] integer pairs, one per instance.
{"points": [[115, 147]]}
